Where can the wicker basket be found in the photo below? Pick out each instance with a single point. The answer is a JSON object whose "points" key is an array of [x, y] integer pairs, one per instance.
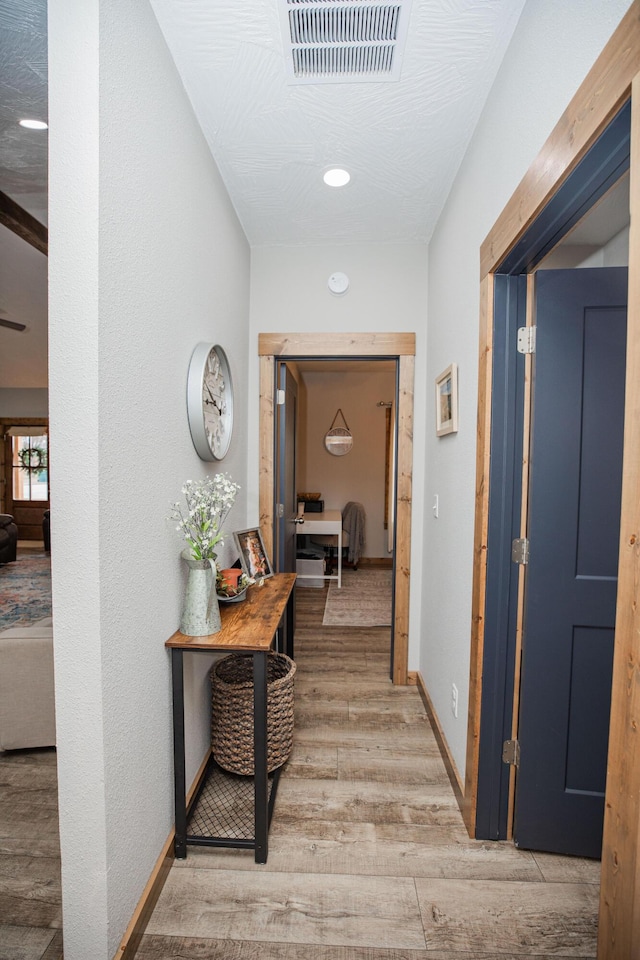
{"points": [[232, 711]]}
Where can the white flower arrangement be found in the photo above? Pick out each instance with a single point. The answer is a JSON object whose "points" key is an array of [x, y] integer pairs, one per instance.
{"points": [[208, 503]]}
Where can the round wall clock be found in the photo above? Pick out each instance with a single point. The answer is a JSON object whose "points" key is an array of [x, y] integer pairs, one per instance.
{"points": [[210, 401]]}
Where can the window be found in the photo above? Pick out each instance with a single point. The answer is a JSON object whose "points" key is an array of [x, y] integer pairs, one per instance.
{"points": [[30, 463]]}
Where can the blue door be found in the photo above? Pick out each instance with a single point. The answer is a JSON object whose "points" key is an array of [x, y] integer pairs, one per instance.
{"points": [[571, 576]]}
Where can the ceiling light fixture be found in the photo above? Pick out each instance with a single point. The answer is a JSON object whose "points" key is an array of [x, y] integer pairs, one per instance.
{"points": [[34, 124], [336, 177]]}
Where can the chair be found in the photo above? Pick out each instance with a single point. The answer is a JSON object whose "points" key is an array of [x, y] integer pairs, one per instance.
{"points": [[8, 538], [46, 530], [353, 539]]}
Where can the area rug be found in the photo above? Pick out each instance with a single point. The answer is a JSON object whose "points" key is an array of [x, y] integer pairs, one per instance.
{"points": [[364, 600], [25, 590]]}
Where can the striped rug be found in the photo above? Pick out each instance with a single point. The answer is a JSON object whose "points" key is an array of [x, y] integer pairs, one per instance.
{"points": [[364, 600]]}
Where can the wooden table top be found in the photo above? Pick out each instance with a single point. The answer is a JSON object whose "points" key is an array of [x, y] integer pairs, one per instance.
{"points": [[247, 625]]}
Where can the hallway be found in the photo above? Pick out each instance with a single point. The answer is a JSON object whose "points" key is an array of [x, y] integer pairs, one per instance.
{"points": [[368, 857]]}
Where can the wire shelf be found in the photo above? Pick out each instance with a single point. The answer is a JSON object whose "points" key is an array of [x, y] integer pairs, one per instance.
{"points": [[225, 807]]}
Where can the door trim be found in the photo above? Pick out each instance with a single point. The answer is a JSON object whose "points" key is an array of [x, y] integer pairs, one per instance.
{"points": [[6, 481], [602, 93], [399, 346], [606, 161]]}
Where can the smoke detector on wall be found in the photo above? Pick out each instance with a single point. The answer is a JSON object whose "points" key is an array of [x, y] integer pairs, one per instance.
{"points": [[338, 284], [343, 41]]}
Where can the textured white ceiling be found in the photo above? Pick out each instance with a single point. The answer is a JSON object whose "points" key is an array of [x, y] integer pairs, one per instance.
{"points": [[402, 141], [23, 94]]}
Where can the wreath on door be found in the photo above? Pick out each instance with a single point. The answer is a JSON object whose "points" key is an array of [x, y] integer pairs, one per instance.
{"points": [[33, 459]]}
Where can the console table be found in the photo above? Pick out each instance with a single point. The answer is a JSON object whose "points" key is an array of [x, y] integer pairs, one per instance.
{"points": [[248, 626], [329, 522]]}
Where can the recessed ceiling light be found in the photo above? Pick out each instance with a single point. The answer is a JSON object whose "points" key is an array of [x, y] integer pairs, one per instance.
{"points": [[336, 177], [34, 124]]}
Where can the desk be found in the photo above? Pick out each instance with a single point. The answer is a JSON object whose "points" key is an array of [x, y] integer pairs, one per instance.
{"points": [[248, 626], [330, 523]]}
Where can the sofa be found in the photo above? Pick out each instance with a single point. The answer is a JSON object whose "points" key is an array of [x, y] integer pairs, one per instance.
{"points": [[8, 538], [27, 707]]}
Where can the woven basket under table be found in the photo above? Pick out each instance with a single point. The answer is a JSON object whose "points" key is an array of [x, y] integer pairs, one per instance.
{"points": [[232, 711]]}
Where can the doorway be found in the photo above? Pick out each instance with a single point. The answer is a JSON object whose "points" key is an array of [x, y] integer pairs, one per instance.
{"points": [[336, 346], [360, 394], [312, 396], [24, 471], [509, 304]]}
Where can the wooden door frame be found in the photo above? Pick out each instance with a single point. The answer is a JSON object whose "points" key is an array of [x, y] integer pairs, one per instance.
{"points": [[614, 78], [6, 466], [602, 167], [337, 346]]}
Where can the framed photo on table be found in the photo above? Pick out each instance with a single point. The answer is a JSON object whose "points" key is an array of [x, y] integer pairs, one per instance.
{"points": [[447, 401], [253, 556]]}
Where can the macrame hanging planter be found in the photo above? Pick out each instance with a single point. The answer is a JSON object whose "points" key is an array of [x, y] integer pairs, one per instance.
{"points": [[338, 440]]}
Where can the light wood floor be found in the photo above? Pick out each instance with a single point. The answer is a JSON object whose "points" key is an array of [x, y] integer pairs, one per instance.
{"points": [[368, 855], [30, 903]]}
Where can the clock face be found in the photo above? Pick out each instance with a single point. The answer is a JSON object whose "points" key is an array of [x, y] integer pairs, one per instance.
{"points": [[210, 401]]}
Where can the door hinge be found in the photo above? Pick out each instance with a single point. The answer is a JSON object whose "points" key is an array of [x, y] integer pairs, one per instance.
{"points": [[526, 340], [511, 752], [280, 510], [520, 550], [279, 398]]}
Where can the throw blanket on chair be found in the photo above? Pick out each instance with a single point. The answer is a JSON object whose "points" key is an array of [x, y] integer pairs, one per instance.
{"points": [[353, 518]]}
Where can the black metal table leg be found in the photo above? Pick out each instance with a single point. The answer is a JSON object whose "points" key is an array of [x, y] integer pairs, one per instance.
{"points": [[290, 624], [261, 785], [179, 774]]}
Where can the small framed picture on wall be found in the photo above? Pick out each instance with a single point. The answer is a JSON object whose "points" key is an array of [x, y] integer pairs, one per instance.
{"points": [[447, 401]]}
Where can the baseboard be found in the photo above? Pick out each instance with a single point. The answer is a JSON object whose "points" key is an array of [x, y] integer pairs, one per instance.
{"points": [[412, 678], [449, 762], [146, 905], [385, 562]]}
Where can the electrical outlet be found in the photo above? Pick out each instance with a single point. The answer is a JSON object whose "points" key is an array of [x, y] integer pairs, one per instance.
{"points": [[454, 700], [436, 505]]}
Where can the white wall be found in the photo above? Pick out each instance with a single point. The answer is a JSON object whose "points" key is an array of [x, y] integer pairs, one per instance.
{"points": [[388, 292], [146, 259], [552, 49], [615, 253], [24, 402], [360, 474], [23, 285]]}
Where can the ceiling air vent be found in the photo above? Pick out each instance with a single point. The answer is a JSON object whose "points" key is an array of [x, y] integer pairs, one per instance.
{"points": [[343, 41]]}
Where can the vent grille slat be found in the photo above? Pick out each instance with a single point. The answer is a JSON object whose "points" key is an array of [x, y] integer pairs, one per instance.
{"points": [[367, 24], [318, 61], [332, 40], [344, 25]]}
